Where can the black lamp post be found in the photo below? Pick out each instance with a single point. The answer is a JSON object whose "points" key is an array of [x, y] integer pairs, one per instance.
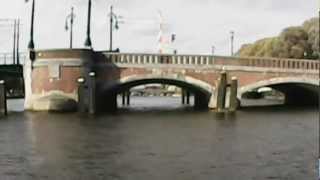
{"points": [[14, 41], [18, 42], [71, 16], [111, 28], [31, 42], [319, 34], [319, 83], [88, 40], [32, 54]]}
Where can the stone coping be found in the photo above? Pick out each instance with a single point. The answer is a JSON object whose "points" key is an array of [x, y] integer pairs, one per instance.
{"points": [[63, 53]]}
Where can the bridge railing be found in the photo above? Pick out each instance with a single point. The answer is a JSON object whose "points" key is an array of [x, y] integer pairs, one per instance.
{"points": [[7, 58], [160, 59], [209, 60], [281, 63]]}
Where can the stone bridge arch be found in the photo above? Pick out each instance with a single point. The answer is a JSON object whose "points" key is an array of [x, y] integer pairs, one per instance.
{"points": [[297, 90], [174, 79], [202, 91]]}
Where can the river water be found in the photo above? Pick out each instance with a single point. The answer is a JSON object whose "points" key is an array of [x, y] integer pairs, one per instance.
{"points": [[156, 138]]}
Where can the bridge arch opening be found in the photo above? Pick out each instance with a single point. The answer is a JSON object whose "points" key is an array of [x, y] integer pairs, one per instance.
{"points": [[287, 91], [156, 96], [200, 90]]}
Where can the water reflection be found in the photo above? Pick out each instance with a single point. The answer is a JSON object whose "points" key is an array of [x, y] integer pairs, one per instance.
{"points": [[160, 139]]}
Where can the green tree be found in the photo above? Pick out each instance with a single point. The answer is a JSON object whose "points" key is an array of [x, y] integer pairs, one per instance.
{"points": [[312, 28], [293, 42]]}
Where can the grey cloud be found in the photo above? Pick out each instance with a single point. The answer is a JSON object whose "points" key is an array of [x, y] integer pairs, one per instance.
{"points": [[199, 24]]}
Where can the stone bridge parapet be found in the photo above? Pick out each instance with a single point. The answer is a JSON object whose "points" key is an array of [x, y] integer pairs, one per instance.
{"points": [[208, 60]]}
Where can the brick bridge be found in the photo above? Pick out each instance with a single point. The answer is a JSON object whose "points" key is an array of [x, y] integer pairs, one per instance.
{"points": [[51, 83]]}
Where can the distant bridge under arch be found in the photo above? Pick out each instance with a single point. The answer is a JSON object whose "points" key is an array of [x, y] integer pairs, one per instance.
{"points": [[297, 90], [201, 90]]}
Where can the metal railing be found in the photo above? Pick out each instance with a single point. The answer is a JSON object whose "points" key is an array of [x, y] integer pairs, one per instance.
{"points": [[7, 58]]}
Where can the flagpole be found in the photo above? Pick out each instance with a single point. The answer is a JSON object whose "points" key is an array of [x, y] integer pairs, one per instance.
{"points": [[160, 36], [232, 42]]}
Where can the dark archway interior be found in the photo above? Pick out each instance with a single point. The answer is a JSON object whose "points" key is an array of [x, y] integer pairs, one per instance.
{"points": [[201, 96], [296, 94], [299, 94]]}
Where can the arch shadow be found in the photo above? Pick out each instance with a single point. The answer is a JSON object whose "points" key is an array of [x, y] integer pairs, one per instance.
{"points": [[201, 90], [297, 90]]}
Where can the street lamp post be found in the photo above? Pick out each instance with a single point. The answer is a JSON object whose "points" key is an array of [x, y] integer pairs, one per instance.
{"points": [[14, 40], [71, 16], [88, 39], [213, 49], [31, 42], [113, 19], [319, 35], [319, 82], [18, 42], [232, 41], [32, 54], [111, 27]]}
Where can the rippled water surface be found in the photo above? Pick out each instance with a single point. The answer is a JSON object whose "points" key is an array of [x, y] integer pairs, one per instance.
{"points": [[160, 140]]}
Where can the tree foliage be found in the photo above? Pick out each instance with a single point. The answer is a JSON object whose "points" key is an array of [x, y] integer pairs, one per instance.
{"points": [[292, 42]]}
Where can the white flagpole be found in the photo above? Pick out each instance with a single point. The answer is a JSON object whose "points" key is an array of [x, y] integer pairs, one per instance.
{"points": [[160, 35]]}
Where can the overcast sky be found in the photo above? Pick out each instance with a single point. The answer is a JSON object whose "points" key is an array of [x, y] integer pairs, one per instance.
{"points": [[198, 24]]}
